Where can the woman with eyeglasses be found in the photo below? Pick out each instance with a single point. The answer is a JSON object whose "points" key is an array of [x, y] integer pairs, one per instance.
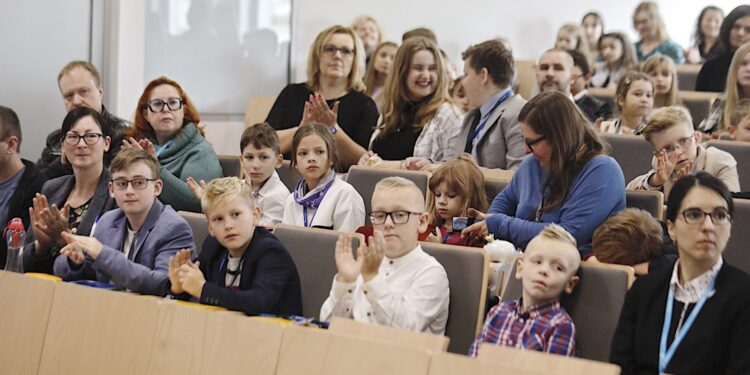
{"points": [[71, 203], [569, 180], [166, 125], [692, 317], [678, 152], [333, 96]]}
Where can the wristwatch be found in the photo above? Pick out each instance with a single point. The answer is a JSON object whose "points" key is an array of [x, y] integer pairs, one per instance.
{"points": [[333, 129]]}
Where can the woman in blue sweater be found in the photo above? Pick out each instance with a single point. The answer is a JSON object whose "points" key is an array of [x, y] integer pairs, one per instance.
{"points": [[569, 180]]}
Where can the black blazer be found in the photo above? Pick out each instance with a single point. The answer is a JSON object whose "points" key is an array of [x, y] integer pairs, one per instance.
{"points": [[29, 184], [269, 283], [57, 191], [717, 343], [713, 73]]}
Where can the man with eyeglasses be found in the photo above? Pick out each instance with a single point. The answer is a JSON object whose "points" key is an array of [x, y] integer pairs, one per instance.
{"points": [[392, 281], [129, 246], [678, 152], [81, 86]]}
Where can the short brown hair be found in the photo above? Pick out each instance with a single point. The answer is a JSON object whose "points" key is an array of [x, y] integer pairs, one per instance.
{"points": [[632, 236], [128, 157], [740, 111], [664, 118], [10, 125], [83, 65], [420, 32], [260, 135], [494, 57]]}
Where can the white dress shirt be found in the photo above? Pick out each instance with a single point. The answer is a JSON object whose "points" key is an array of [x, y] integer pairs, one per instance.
{"points": [[693, 290], [409, 292], [271, 198]]}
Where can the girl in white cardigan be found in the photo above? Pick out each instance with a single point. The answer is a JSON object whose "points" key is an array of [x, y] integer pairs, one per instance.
{"points": [[320, 199]]}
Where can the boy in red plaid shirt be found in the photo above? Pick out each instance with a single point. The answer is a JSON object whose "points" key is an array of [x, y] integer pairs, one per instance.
{"points": [[537, 321]]}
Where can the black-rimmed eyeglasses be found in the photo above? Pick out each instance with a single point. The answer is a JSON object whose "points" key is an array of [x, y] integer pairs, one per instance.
{"points": [[719, 215], [157, 105], [138, 183], [531, 143], [398, 217], [88, 138]]}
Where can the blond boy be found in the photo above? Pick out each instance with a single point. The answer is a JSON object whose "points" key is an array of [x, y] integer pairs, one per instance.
{"points": [[537, 321], [392, 281], [241, 267]]}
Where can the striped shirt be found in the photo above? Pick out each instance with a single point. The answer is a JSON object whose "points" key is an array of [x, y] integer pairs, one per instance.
{"points": [[545, 327]]}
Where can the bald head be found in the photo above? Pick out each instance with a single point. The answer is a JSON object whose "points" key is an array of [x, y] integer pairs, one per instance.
{"points": [[554, 71]]}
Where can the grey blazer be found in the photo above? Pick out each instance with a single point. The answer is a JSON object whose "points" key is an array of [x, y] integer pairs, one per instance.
{"points": [[57, 191], [146, 270], [500, 145]]}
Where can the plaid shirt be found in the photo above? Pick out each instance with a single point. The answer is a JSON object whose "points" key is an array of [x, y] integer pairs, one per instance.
{"points": [[545, 327]]}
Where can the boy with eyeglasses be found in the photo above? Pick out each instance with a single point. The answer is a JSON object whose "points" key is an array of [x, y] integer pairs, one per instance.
{"points": [[391, 281], [678, 152], [129, 246]]}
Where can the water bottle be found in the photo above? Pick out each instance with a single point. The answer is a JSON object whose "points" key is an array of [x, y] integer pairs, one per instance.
{"points": [[15, 235]]}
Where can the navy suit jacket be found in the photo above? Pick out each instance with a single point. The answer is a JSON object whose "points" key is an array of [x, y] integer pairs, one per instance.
{"points": [[161, 236], [269, 283], [57, 191]]}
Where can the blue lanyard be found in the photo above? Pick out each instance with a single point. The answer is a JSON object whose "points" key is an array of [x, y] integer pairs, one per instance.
{"points": [[481, 125], [160, 150], [666, 354], [304, 212]]}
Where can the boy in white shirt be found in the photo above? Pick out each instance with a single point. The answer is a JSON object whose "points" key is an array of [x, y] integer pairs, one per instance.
{"points": [[260, 158], [392, 281]]}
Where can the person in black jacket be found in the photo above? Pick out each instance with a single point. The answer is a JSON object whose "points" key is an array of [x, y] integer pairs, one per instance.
{"points": [[693, 317], [241, 267], [81, 86], [734, 32], [19, 180], [593, 107]]}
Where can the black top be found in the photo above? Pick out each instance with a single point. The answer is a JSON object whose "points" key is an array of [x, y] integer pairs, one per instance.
{"points": [[717, 343], [50, 166], [357, 112], [713, 74], [399, 145], [29, 184], [594, 108], [269, 283]]}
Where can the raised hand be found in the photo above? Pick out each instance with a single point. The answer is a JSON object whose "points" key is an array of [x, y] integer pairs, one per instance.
{"points": [[191, 278], [175, 262], [665, 165], [82, 244], [198, 189], [348, 268], [372, 255], [321, 113]]}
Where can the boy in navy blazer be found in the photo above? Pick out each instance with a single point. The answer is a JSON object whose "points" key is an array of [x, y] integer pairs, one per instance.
{"points": [[241, 267], [131, 245]]}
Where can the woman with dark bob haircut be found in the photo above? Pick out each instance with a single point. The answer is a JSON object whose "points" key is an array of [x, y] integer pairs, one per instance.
{"points": [[693, 317], [569, 181], [71, 203]]}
